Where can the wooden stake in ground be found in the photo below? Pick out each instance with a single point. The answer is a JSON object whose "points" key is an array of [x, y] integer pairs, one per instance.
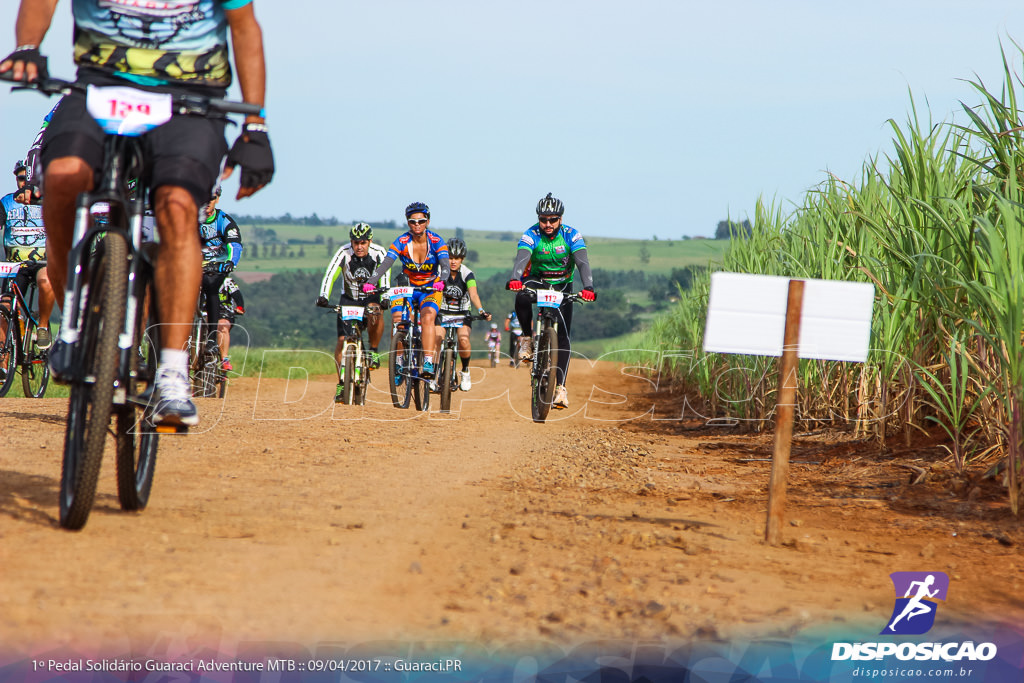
{"points": [[784, 409]]}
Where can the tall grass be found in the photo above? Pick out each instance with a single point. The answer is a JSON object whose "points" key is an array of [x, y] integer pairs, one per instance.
{"points": [[936, 225]]}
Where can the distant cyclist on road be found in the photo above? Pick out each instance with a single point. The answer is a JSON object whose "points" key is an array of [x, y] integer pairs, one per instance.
{"points": [[424, 257], [515, 332], [221, 243], [459, 292], [548, 254], [232, 304], [356, 263]]}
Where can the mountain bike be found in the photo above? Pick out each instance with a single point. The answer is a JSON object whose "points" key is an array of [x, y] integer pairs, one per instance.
{"points": [[543, 377], [406, 355], [206, 365], [354, 370], [447, 377], [109, 313], [19, 350]]}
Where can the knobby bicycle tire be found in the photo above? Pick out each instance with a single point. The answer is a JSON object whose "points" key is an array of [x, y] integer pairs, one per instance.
{"points": [[545, 360], [9, 351], [35, 370], [445, 378], [349, 360], [91, 402], [420, 385], [137, 438], [398, 369]]}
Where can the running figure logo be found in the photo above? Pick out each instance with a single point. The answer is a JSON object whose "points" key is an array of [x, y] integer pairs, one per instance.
{"points": [[914, 613]]}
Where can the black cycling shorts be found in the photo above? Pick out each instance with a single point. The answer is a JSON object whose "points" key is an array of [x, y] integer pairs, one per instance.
{"points": [[345, 327], [185, 152]]}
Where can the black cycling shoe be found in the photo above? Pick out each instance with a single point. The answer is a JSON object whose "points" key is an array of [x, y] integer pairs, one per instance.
{"points": [[61, 362]]}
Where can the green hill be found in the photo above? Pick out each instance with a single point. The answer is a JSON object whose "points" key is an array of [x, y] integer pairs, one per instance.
{"points": [[311, 248]]}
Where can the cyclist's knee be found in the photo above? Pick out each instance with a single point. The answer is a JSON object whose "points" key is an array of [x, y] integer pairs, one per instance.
{"points": [[67, 176]]}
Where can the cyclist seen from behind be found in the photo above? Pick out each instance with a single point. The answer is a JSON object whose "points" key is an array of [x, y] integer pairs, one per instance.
{"points": [[24, 241], [547, 257], [424, 257], [221, 243], [356, 263], [179, 48], [459, 292]]}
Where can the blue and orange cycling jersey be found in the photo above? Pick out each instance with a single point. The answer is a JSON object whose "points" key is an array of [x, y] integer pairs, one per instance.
{"points": [[419, 273]]}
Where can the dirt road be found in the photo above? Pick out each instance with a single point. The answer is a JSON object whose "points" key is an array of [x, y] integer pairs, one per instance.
{"points": [[287, 519]]}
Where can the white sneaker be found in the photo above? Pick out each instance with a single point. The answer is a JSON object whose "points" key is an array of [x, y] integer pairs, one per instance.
{"points": [[526, 349], [175, 406], [466, 383], [561, 397]]}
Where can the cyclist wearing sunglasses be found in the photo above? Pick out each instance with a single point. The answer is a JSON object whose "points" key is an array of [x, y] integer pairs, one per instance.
{"points": [[548, 255], [424, 257], [175, 47]]}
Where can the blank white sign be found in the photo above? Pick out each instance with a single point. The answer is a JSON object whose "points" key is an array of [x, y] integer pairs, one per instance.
{"points": [[747, 314]]}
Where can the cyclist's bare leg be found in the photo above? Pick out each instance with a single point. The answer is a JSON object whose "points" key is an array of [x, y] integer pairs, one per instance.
{"points": [[376, 330], [224, 336], [46, 297], [427, 316], [337, 355], [179, 271], [64, 180], [464, 346]]}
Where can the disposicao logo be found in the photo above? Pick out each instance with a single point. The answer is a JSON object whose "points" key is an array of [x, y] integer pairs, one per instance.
{"points": [[914, 612]]}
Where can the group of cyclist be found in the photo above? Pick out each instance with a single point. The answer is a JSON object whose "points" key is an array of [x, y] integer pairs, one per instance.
{"points": [[547, 256], [187, 156]]}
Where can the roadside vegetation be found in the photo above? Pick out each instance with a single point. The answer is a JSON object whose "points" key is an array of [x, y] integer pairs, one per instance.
{"points": [[937, 225]]}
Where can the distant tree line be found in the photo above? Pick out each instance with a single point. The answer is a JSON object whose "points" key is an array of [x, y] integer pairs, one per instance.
{"points": [[285, 219]]}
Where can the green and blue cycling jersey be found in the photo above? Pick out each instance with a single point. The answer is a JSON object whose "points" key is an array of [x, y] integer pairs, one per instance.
{"points": [[554, 259], [153, 42], [220, 239]]}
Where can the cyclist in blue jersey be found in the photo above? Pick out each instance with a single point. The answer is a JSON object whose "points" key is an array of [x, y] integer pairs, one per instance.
{"points": [[221, 242], [24, 240], [548, 255], [424, 257], [176, 47]]}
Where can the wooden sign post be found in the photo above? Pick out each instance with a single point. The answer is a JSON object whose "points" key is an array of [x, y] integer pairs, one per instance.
{"points": [[785, 406], [767, 315]]}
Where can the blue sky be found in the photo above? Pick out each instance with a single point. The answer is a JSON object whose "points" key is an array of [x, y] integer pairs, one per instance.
{"points": [[646, 117]]}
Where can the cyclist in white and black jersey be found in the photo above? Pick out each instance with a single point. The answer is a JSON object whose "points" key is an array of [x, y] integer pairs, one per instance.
{"points": [[459, 292], [355, 263]]}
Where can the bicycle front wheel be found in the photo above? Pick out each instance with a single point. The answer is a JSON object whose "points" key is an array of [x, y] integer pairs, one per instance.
{"points": [[136, 434], [399, 366], [545, 359], [35, 370], [8, 351], [420, 385], [349, 388], [444, 379], [92, 393]]}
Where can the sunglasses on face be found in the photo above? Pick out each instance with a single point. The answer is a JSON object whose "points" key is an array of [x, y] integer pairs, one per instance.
{"points": [[418, 221], [20, 178], [547, 219]]}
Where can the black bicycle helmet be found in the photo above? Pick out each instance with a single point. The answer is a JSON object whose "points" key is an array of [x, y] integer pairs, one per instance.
{"points": [[456, 248], [417, 207], [550, 206], [19, 166], [360, 231]]}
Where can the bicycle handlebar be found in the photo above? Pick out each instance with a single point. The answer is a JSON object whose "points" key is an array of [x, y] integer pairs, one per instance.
{"points": [[567, 296], [182, 103]]}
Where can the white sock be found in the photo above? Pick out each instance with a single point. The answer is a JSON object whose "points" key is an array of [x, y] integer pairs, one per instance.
{"points": [[174, 359]]}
